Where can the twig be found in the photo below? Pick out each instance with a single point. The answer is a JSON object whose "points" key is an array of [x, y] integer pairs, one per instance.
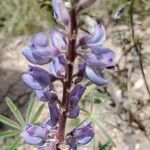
{"points": [[137, 49]]}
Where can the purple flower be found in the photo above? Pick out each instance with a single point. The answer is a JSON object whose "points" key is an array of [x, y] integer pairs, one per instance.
{"points": [[47, 95], [95, 76], [81, 70], [74, 112], [96, 61], [49, 126], [76, 94], [40, 40], [37, 78], [38, 51], [82, 135], [100, 58], [34, 134], [92, 73], [54, 114], [95, 40], [71, 141], [61, 13], [57, 66], [58, 40]]}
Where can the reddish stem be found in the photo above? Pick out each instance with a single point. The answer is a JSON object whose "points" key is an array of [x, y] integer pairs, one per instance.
{"points": [[70, 56]]}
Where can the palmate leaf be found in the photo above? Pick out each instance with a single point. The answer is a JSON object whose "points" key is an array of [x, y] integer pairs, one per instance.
{"points": [[96, 96], [37, 114], [9, 133], [110, 124], [31, 117], [29, 111], [9, 122], [15, 112], [98, 122]]}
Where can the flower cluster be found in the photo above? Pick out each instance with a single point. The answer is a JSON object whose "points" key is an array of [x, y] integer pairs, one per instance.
{"points": [[59, 50]]}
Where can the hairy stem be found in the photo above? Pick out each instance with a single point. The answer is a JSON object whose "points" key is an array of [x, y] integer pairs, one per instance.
{"points": [[70, 56]]}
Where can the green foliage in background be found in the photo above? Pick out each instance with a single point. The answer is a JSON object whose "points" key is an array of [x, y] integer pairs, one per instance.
{"points": [[23, 16], [104, 146], [20, 17], [109, 7], [16, 127]]}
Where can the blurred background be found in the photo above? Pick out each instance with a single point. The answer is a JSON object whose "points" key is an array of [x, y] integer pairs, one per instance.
{"points": [[121, 111]]}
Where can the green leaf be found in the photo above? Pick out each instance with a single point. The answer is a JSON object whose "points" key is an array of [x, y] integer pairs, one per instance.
{"points": [[94, 144], [104, 131], [9, 133], [113, 111], [104, 146], [85, 111], [15, 111], [83, 121], [30, 110], [9, 122], [110, 124], [15, 144], [37, 114]]}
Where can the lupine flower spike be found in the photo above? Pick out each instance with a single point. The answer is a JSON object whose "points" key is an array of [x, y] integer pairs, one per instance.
{"points": [[59, 51]]}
